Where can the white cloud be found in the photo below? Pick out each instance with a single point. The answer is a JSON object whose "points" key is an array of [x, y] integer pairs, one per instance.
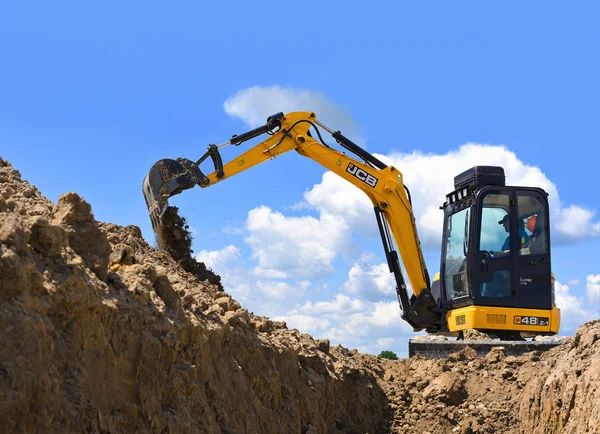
{"points": [[592, 289], [573, 282], [385, 342], [575, 223], [431, 176], [355, 323], [316, 327], [334, 195], [217, 259], [372, 282], [232, 230], [301, 247], [282, 290], [387, 314], [264, 297], [255, 104], [569, 224], [264, 293], [269, 273], [377, 321], [340, 305], [571, 308]]}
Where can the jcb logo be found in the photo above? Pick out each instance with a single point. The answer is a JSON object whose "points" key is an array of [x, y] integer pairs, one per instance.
{"points": [[362, 175]]}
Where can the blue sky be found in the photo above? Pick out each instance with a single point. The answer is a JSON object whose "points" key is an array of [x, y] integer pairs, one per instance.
{"points": [[92, 95]]}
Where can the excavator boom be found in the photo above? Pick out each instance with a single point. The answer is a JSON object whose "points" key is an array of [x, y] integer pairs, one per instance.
{"points": [[383, 185]]}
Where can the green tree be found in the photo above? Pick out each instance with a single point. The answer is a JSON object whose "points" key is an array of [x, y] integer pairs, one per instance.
{"points": [[388, 355]]}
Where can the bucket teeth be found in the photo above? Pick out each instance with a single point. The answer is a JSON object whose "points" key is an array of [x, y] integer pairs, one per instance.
{"points": [[156, 204], [167, 178]]}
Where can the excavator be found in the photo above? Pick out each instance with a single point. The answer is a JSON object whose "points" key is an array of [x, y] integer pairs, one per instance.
{"points": [[495, 269]]}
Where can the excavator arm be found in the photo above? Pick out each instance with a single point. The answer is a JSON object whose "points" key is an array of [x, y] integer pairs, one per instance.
{"points": [[381, 183]]}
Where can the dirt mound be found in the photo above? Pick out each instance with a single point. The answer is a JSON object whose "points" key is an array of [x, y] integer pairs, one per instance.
{"points": [[553, 392], [99, 332], [563, 394]]}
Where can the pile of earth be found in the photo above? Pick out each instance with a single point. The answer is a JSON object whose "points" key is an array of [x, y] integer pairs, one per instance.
{"points": [[557, 391], [100, 332]]}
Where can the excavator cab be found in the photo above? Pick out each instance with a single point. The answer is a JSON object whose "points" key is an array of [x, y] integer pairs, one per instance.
{"points": [[495, 273]]}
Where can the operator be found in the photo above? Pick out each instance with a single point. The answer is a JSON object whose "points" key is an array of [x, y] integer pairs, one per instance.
{"points": [[505, 250]]}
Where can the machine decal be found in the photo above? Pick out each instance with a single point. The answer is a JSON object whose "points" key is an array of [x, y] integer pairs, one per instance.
{"points": [[532, 320], [362, 175], [525, 281]]}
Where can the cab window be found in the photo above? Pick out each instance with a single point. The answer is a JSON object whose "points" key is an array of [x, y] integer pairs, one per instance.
{"points": [[455, 274], [495, 225], [532, 208], [495, 239]]}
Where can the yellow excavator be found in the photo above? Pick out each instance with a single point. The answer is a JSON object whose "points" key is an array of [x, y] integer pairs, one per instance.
{"points": [[495, 274]]}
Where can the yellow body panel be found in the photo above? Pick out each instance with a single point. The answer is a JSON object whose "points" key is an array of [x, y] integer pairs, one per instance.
{"points": [[503, 318]]}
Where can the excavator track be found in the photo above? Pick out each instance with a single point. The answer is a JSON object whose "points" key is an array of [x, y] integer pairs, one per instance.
{"points": [[441, 349]]}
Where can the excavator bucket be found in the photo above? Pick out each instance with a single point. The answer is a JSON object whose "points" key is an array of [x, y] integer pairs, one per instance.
{"points": [[166, 178]]}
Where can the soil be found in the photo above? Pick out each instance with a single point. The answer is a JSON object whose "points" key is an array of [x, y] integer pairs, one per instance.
{"points": [[100, 332], [175, 238]]}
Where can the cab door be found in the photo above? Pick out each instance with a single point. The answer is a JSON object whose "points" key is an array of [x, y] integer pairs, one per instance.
{"points": [[454, 267], [493, 258], [532, 271]]}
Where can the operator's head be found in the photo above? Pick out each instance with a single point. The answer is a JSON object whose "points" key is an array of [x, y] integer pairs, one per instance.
{"points": [[506, 222], [531, 223]]}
